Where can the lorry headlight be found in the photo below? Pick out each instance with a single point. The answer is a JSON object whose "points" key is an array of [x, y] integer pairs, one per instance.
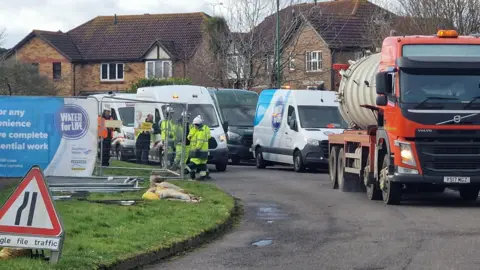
{"points": [[406, 153], [129, 136], [233, 136], [312, 141]]}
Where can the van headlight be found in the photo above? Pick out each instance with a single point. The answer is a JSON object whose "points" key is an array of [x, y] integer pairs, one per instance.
{"points": [[222, 138], [233, 136], [129, 136], [406, 153], [312, 141]]}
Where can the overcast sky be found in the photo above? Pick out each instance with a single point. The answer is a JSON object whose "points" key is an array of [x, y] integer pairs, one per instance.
{"points": [[20, 17]]}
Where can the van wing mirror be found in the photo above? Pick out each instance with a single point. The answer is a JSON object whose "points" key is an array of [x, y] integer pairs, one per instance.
{"points": [[384, 83], [292, 124], [225, 126]]}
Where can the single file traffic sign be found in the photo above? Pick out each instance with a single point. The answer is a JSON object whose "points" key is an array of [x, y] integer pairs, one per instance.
{"points": [[28, 219]]}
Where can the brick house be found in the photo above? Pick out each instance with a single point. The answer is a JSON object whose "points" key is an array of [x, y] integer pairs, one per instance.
{"points": [[316, 36], [109, 53]]}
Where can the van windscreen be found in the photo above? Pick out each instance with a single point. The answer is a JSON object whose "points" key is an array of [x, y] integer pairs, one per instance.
{"points": [[241, 116], [320, 117], [127, 114], [207, 111]]}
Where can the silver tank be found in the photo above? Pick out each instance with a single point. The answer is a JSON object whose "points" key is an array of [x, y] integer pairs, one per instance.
{"points": [[353, 92]]}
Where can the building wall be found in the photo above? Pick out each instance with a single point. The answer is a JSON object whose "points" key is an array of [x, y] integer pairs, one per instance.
{"points": [[38, 51], [202, 69], [88, 77], [298, 78]]}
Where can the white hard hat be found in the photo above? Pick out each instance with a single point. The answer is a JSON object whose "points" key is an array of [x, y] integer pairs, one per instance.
{"points": [[170, 109], [198, 120]]}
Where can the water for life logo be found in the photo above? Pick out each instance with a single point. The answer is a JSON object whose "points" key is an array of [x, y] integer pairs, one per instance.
{"points": [[72, 121], [277, 114]]}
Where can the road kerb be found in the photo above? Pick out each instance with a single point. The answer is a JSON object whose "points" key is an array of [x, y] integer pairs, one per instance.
{"points": [[180, 247]]}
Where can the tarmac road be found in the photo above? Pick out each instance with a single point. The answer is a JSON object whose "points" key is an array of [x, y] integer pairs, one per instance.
{"points": [[314, 227]]}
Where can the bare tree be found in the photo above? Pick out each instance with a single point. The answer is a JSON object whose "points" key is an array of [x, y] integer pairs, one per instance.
{"points": [[427, 16], [21, 79]]}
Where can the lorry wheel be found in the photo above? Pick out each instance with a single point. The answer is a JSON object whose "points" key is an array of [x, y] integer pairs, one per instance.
{"points": [[373, 191], [260, 162], [346, 181], [391, 191], [298, 165], [469, 193], [332, 167], [221, 167]]}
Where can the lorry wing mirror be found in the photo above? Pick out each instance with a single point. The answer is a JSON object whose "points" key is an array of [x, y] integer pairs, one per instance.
{"points": [[381, 100], [225, 126], [384, 83]]}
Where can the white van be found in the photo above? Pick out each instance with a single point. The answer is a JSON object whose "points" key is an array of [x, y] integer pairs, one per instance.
{"points": [[292, 127], [123, 142], [199, 103]]}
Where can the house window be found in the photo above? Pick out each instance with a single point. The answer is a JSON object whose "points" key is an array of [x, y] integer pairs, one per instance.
{"points": [[112, 72], [57, 71], [291, 61], [313, 61], [36, 67], [270, 63], [158, 69]]}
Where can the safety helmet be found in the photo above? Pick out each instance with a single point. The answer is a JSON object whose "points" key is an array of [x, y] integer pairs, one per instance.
{"points": [[198, 120]]}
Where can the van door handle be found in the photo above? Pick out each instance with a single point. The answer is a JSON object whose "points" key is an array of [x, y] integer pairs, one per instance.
{"points": [[286, 132]]}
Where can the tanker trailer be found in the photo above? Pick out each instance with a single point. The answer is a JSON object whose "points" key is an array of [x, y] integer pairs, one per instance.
{"points": [[357, 88]]}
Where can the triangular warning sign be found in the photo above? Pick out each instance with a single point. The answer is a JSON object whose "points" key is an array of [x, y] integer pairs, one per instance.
{"points": [[30, 209]]}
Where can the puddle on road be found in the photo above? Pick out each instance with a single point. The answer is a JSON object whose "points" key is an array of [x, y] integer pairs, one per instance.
{"points": [[270, 213], [262, 243]]}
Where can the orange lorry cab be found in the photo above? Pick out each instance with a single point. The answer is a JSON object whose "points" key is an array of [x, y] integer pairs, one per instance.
{"points": [[414, 114]]}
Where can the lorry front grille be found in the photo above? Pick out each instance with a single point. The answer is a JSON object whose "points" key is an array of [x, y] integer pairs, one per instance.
{"points": [[324, 146], [460, 158], [247, 140]]}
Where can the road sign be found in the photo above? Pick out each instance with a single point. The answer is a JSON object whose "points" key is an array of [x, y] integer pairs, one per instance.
{"points": [[28, 218]]}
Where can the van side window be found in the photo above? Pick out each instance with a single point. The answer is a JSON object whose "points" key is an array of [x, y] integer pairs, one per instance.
{"points": [[114, 114], [157, 116], [291, 114]]}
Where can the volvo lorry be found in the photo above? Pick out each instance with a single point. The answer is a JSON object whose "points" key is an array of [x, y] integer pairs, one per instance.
{"points": [[414, 119]]}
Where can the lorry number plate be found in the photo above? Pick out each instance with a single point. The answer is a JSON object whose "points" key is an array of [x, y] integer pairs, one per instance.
{"points": [[456, 179]]}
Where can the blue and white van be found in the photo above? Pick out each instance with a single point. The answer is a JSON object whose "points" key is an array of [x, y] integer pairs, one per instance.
{"points": [[292, 127]]}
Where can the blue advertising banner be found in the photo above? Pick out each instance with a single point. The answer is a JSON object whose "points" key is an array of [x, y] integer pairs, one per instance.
{"points": [[57, 134]]}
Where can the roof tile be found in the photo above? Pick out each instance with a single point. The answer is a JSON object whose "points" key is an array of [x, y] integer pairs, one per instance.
{"points": [[129, 37]]}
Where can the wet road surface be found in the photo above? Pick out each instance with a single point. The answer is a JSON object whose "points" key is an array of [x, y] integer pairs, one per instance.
{"points": [[298, 222]]}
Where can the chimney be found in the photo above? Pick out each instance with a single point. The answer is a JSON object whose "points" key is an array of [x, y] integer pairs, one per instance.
{"points": [[115, 21]]}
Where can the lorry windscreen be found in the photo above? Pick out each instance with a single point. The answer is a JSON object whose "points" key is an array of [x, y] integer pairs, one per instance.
{"points": [[469, 50], [207, 111], [239, 115], [453, 89], [320, 117], [127, 114]]}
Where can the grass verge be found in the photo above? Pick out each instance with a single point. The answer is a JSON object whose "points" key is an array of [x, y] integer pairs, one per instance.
{"points": [[101, 234]]}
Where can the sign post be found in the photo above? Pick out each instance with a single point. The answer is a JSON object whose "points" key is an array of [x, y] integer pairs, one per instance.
{"points": [[29, 220]]}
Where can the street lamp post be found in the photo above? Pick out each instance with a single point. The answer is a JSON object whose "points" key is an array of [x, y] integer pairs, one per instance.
{"points": [[277, 46]]}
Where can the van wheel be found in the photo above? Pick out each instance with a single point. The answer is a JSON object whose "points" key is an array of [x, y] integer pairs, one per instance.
{"points": [[332, 167], [469, 194], [260, 162], [298, 165], [221, 167], [391, 191]]}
